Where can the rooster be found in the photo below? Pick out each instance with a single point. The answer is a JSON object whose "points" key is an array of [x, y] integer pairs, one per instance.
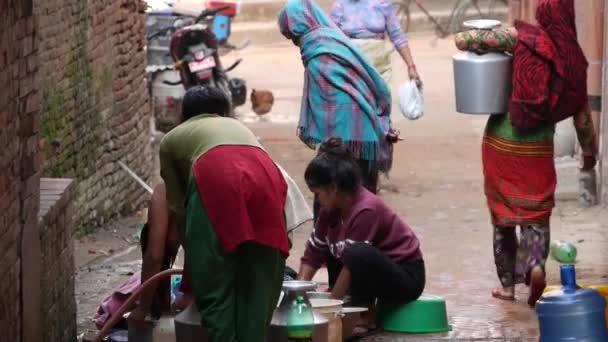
{"points": [[261, 101]]}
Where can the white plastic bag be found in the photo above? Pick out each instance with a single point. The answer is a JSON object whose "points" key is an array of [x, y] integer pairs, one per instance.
{"points": [[411, 101]]}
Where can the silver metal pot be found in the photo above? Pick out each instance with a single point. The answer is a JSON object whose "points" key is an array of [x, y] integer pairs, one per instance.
{"points": [[482, 82], [188, 326], [277, 332]]}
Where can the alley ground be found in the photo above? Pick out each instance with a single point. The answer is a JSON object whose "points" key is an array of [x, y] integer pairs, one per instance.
{"points": [[436, 185]]}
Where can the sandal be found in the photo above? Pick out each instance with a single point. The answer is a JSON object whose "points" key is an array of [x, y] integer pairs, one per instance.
{"points": [[364, 331], [498, 293], [537, 285]]}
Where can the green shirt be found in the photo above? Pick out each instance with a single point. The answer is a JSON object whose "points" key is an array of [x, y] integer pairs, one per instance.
{"points": [[184, 144], [500, 125]]}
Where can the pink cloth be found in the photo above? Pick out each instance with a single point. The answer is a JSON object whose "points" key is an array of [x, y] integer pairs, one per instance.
{"points": [[113, 302]]}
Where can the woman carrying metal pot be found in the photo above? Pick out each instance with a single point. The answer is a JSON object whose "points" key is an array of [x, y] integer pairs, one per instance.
{"points": [[549, 85]]}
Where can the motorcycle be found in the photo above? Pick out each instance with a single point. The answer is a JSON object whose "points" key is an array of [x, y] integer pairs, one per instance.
{"points": [[165, 98], [194, 49]]}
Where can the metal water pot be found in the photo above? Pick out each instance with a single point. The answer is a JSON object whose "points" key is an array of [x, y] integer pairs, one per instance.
{"points": [[189, 327], [482, 82]]}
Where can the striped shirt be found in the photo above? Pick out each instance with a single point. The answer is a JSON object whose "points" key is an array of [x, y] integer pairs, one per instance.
{"points": [[371, 221]]}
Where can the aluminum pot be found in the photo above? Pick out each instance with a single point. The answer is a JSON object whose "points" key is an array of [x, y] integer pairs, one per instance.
{"points": [[188, 326], [278, 330], [482, 82]]}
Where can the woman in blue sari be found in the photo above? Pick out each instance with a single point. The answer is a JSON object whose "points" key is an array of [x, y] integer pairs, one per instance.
{"points": [[344, 95]]}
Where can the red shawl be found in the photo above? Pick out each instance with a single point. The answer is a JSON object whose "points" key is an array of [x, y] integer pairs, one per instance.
{"points": [[549, 68]]}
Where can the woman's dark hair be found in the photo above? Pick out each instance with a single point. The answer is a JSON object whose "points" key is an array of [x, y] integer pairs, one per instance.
{"points": [[333, 165], [205, 100]]}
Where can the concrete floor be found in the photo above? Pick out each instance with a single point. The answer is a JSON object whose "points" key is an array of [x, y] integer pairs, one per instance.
{"points": [[436, 185]]}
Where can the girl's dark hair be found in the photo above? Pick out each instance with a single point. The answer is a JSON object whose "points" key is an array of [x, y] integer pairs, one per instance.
{"points": [[205, 100], [333, 165]]}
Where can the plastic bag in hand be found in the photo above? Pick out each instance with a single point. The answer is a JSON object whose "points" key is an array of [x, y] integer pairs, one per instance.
{"points": [[411, 101]]}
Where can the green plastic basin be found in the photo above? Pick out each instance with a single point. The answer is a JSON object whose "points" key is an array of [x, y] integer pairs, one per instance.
{"points": [[426, 315]]}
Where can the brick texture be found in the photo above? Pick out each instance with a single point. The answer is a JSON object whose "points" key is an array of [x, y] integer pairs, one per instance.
{"points": [[604, 121], [19, 166], [94, 102], [57, 251]]}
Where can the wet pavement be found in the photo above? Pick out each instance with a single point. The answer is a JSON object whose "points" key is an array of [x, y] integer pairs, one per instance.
{"points": [[436, 185]]}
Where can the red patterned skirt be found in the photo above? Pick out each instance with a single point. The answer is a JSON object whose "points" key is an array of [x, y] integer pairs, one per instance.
{"points": [[519, 180]]}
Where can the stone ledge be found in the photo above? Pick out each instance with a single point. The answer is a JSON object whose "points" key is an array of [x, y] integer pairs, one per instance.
{"points": [[54, 193]]}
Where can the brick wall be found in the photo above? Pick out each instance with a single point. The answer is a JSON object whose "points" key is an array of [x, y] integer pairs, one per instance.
{"points": [[94, 101], [604, 115], [19, 160], [57, 254]]}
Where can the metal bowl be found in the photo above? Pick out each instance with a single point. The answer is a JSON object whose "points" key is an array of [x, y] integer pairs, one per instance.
{"points": [[318, 295], [482, 24], [299, 285]]}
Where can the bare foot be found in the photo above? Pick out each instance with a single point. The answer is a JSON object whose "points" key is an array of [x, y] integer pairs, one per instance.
{"points": [[504, 293], [537, 285], [367, 322]]}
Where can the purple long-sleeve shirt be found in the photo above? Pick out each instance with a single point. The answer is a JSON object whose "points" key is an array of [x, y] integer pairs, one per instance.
{"points": [[370, 221], [368, 19]]}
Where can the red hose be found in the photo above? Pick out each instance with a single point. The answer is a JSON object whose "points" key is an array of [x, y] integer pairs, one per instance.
{"points": [[134, 296]]}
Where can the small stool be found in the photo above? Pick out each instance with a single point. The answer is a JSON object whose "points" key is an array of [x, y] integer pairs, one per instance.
{"points": [[427, 314]]}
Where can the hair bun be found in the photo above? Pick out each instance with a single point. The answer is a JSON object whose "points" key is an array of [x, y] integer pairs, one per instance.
{"points": [[333, 146]]}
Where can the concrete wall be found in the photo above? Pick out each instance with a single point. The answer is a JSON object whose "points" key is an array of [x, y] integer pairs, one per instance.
{"points": [[19, 169], [95, 107]]}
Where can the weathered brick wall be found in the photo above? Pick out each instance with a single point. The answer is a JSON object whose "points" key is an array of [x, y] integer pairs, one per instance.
{"points": [[19, 159], [57, 251], [604, 116], [95, 102]]}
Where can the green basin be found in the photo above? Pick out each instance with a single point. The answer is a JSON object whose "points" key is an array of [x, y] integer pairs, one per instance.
{"points": [[428, 314]]}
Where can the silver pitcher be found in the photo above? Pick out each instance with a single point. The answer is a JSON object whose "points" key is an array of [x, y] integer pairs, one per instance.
{"points": [[482, 82]]}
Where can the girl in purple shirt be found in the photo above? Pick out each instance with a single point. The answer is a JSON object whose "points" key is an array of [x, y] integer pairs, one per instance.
{"points": [[369, 251], [367, 23]]}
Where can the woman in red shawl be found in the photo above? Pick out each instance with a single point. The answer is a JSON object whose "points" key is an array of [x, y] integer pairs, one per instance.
{"points": [[549, 85]]}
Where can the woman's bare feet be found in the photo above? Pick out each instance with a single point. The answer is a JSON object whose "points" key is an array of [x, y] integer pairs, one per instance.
{"points": [[537, 285], [504, 293]]}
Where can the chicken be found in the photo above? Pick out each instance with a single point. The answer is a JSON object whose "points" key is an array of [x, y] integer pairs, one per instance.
{"points": [[261, 101]]}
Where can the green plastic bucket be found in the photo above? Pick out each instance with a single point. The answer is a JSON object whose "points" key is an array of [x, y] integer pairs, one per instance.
{"points": [[427, 314]]}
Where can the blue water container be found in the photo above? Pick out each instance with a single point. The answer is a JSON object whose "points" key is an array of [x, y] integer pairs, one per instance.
{"points": [[572, 313]]}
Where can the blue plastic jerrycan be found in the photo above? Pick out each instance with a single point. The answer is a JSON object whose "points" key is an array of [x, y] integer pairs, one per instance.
{"points": [[572, 313]]}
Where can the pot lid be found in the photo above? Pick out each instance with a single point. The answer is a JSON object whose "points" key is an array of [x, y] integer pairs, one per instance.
{"points": [[322, 303], [299, 285], [469, 56], [482, 24], [352, 309]]}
